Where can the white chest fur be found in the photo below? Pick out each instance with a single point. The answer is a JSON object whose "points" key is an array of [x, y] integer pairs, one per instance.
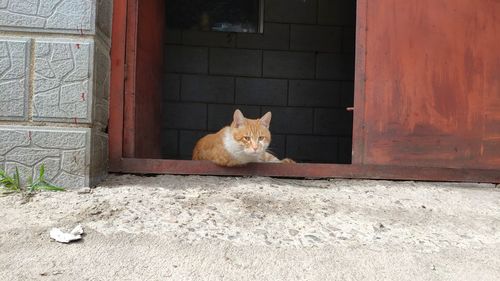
{"points": [[236, 150]]}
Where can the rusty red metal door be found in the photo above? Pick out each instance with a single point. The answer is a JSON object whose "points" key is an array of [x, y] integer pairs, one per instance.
{"points": [[432, 84]]}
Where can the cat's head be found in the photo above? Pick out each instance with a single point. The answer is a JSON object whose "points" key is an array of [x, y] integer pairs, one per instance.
{"points": [[252, 135]]}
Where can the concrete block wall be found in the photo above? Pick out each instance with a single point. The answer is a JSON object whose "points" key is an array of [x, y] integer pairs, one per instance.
{"points": [[54, 87], [301, 68]]}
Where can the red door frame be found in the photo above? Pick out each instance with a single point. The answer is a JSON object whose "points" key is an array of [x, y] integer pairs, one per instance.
{"points": [[124, 155]]}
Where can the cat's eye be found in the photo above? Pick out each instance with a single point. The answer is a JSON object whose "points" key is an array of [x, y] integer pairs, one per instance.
{"points": [[261, 138], [247, 138]]}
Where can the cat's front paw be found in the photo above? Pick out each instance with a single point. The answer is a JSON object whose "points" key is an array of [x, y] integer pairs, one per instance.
{"points": [[288, 161]]}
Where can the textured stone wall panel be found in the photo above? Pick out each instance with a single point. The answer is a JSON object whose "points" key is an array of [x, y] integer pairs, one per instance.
{"points": [[14, 61], [64, 152], [65, 16], [102, 66], [11, 139], [63, 81], [51, 78], [98, 157], [105, 18]]}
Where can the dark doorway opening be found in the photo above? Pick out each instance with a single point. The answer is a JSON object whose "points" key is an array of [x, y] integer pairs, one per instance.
{"points": [[301, 68]]}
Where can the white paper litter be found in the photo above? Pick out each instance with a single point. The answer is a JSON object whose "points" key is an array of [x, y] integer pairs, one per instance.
{"points": [[64, 237]]}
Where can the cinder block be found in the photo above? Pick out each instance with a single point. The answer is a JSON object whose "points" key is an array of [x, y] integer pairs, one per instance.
{"points": [[292, 65], [236, 62], [172, 87], [337, 12], [345, 150], [291, 11], [221, 115], [173, 36], [335, 66], [276, 36], [312, 149], [316, 38], [185, 116], [335, 122], [277, 146], [349, 40], [314, 93], [186, 59], [347, 94], [63, 80], [208, 38], [14, 64], [187, 142], [170, 144], [65, 153], [260, 91], [202, 88], [64, 16], [290, 120]]}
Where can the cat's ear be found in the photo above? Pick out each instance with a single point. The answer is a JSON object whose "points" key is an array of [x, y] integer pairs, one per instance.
{"points": [[238, 118], [265, 120]]}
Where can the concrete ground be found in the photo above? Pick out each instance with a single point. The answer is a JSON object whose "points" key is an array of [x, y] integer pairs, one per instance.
{"points": [[210, 228]]}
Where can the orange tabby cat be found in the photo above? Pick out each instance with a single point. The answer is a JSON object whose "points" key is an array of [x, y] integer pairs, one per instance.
{"points": [[245, 141]]}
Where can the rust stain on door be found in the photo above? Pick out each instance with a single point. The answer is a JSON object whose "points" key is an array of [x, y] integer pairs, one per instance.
{"points": [[432, 91]]}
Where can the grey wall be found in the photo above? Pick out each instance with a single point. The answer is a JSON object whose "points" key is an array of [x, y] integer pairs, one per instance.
{"points": [[54, 87], [301, 69]]}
